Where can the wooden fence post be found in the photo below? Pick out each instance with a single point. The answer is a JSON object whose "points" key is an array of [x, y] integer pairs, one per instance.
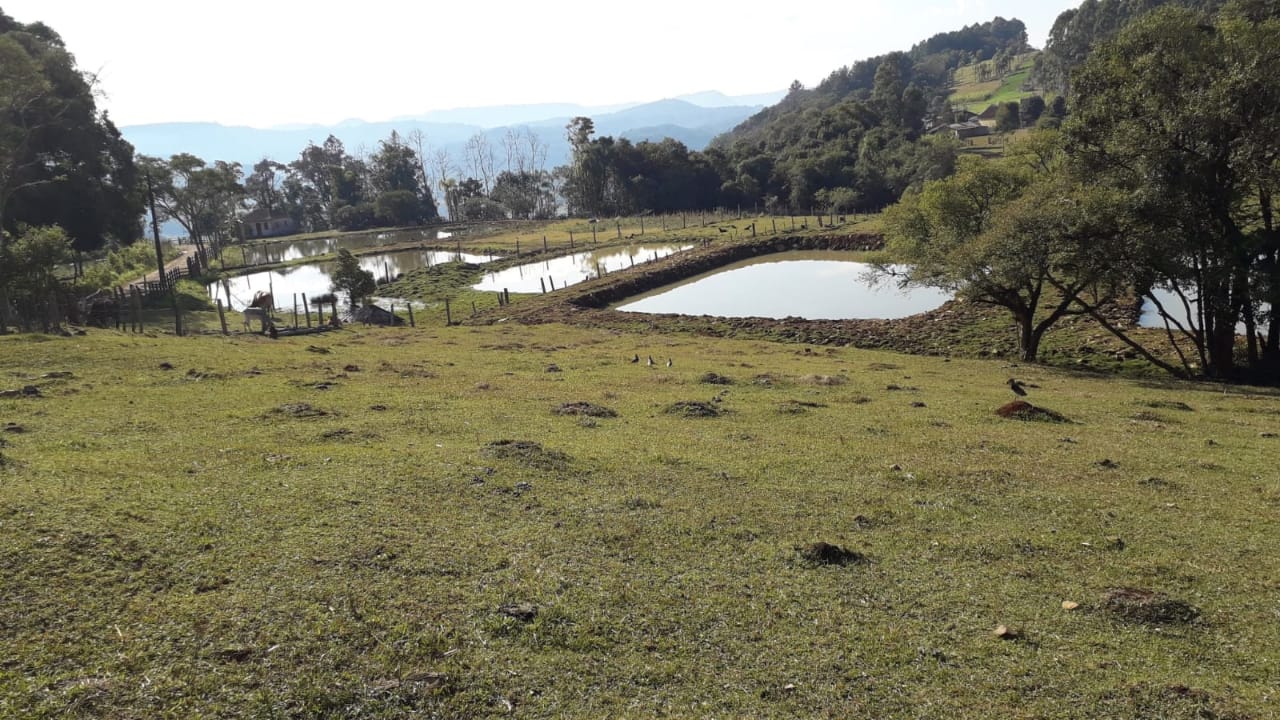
{"points": [[222, 316], [448, 313], [306, 309], [412, 322], [177, 311]]}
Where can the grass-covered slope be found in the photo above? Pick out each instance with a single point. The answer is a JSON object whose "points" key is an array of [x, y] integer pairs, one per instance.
{"points": [[377, 523]]}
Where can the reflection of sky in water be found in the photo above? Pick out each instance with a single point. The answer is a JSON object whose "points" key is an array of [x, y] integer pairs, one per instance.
{"points": [[572, 269], [815, 286], [1151, 317], [285, 251], [316, 279]]}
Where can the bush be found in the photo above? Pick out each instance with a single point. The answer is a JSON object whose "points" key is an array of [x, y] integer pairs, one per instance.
{"points": [[355, 217], [399, 207]]}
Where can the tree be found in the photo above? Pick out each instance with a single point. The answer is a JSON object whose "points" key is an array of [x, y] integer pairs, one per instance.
{"points": [[263, 185], [204, 199], [61, 161], [27, 266], [1007, 119], [1030, 109], [352, 279], [1201, 175], [480, 159], [1016, 233]]}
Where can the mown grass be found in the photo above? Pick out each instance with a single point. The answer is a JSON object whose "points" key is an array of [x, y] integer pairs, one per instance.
{"points": [[195, 542]]}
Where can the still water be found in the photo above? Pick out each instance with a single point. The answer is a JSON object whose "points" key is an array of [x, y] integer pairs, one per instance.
{"points": [[1151, 317], [286, 250], [572, 269], [317, 278], [810, 285]]}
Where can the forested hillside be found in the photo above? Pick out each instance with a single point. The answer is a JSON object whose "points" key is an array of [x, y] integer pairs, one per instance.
{"points": [[851, 142]]}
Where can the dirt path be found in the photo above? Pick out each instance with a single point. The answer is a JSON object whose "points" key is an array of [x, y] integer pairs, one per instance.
{"points": [[184, 252]]}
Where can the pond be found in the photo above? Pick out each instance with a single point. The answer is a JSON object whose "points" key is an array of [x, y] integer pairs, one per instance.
{"points": [[286, 250], [572, 269], [811, 285], [316, 278], [1151, 318]]}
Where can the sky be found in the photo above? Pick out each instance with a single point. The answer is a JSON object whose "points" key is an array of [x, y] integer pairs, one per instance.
{"points": [[274, 62]]}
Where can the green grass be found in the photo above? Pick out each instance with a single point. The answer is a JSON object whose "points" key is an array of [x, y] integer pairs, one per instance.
{"points": [[191, 543], [976, 96]]}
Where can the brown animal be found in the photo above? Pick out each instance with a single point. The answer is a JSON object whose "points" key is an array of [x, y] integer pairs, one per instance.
{"points": [[263, 300]]}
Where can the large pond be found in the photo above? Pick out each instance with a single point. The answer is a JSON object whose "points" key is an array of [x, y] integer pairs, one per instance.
{"points": [[317, 278], [286, 250], [810, 285], [572, 269]]}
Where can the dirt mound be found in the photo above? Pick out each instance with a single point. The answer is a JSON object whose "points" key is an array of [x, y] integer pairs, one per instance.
{"points": [[1169, 405], [585, 408], [526, 452], [1023, 410], [822, 553], [297, 410], [1148, 606], [715, 379], [693, 408], [797, 407]]}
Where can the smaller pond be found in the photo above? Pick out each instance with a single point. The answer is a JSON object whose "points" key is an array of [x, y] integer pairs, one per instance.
{"points": [[1151, 317], [316, 278], [573, 269], [810, 285], [286, 250]]}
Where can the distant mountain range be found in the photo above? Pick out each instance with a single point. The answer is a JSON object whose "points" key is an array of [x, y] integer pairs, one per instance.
{"points": [[691, 119]]}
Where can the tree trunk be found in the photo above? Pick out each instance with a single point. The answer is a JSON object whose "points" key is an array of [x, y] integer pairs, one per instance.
{"points": [[1028, 338], [5, 319]]}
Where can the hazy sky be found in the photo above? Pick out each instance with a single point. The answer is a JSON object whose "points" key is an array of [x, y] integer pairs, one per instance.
{"points": [[271, 62]]}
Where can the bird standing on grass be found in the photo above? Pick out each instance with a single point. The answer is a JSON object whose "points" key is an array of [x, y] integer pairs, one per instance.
{"points": [[635, 358], [668, 362], [651, 362], [1018, 388]]}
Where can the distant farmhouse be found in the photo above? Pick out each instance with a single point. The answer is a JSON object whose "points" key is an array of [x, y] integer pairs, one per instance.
{"points": [[962, 130], [262, 223]]}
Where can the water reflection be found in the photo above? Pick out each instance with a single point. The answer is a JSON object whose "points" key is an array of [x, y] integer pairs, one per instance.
{"points": [[810, 285], [572, 269], [317, 278], [286, 250], [1173, 305]]}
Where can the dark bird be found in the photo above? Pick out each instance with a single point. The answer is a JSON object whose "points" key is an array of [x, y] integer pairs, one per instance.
{"points": [[651, 362], [668, 362], [723, 230], [635, 358], [1017, 388]]}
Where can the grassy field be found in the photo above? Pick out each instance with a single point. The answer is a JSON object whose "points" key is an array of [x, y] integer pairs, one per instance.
{"points": [[975, 96], [395, 522]]}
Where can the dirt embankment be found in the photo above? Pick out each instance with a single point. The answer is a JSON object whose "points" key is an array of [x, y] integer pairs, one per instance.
{"points": [[954, 328]]}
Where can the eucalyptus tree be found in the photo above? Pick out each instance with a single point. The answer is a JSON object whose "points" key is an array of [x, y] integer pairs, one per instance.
{"points": [[202, 198]]}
